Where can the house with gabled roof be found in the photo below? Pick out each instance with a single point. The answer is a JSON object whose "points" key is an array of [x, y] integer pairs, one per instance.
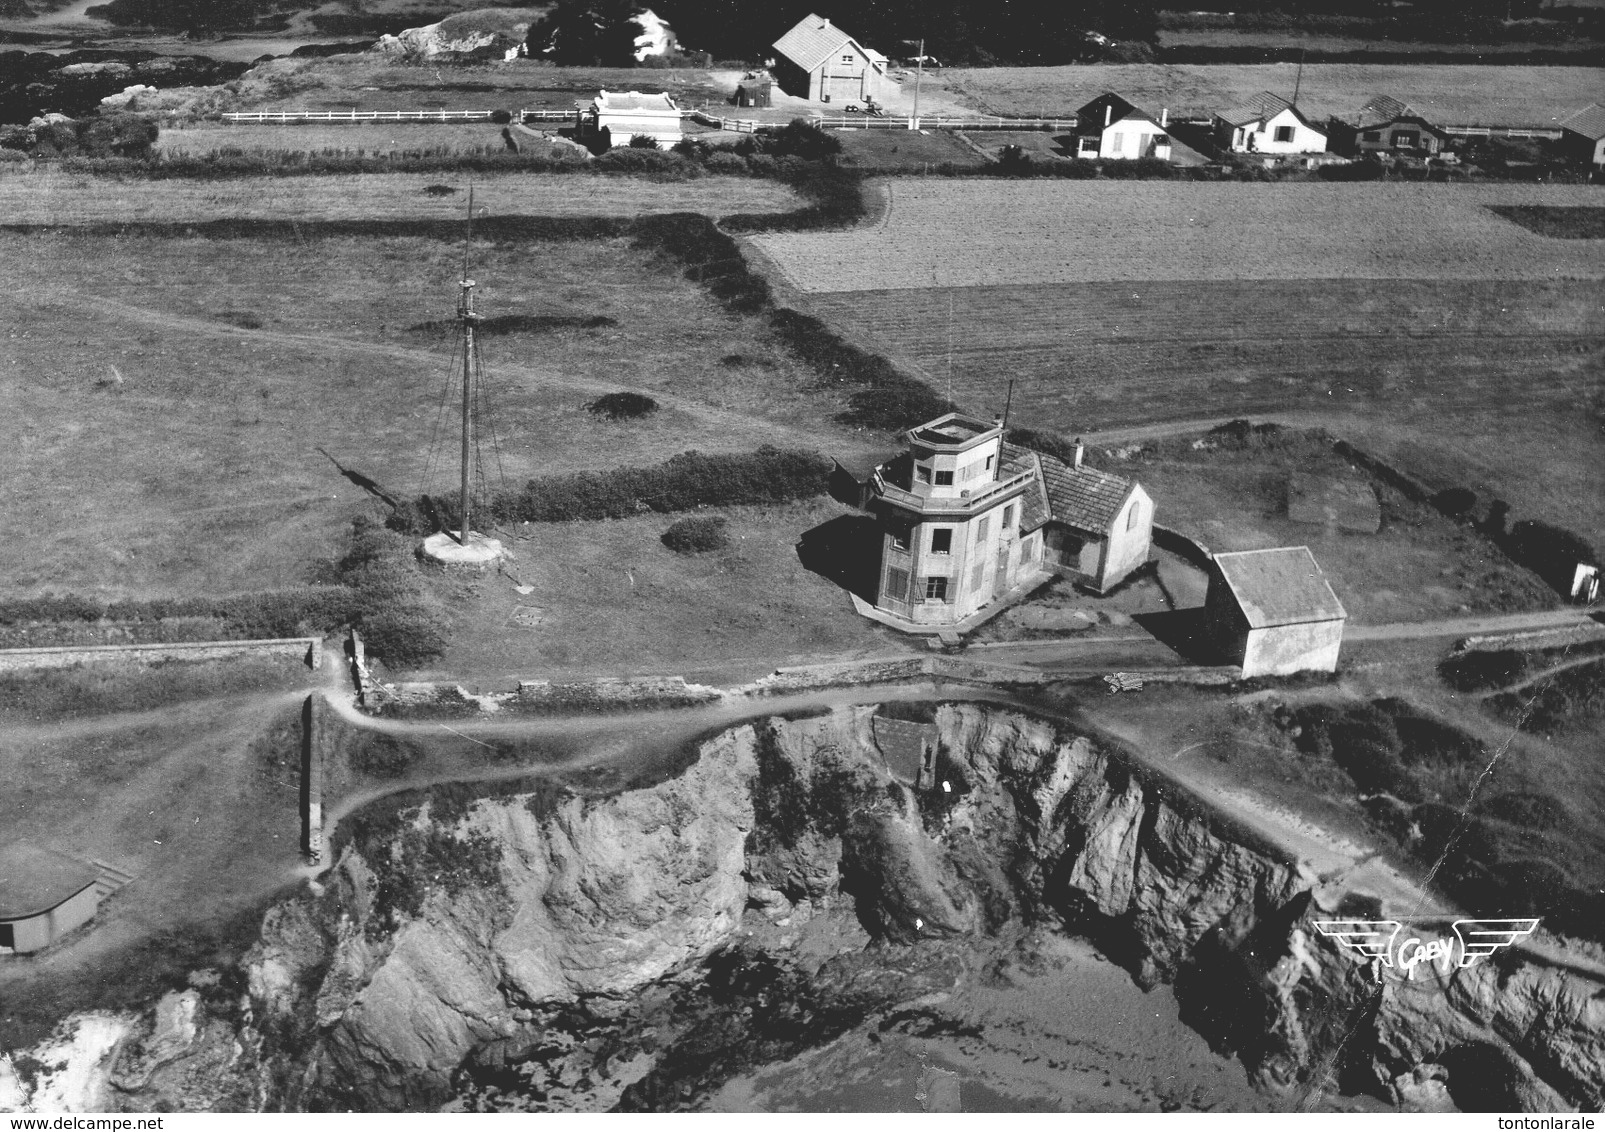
{"points": [[971, 523], [819, 61], [1273, 612], [1582, 135], [1386, 125], [1111, 128], [1269, 124]]}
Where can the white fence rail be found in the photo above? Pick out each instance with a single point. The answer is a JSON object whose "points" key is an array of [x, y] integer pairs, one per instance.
{"points": [[296, 117], [905, 122]]}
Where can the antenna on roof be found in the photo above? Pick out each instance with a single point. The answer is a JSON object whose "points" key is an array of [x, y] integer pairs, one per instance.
{"points": [[1008, 403], [1298, 80]]}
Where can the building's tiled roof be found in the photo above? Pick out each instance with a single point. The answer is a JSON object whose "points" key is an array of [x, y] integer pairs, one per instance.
{"points": [[1083, 498], [1384, 108], [1034, 507], [1282, 586], [1261, 107], [1589, 121], [35, 880], [635, 100], [812, 41], [1122, 111]]}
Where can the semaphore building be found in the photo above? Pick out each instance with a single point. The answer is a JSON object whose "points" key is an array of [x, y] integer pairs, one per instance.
{"points": [[970, 523]]}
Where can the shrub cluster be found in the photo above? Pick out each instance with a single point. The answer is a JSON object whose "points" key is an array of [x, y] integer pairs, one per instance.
{"points": [[1385, 747], [682, 483], [1551, 552], [399, 619], [888, 398], [697, 534], [622, 406], [1572, 698]]}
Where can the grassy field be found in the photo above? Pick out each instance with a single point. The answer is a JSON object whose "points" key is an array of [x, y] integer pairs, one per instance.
{"points": [[372, 82], [904, 150], [388, 137], [1509, 96], [614, 600], [1488, 384], [1418, 567], [968, 233], [1319, 41], [201, 472], [49, 196], [120, 788]]}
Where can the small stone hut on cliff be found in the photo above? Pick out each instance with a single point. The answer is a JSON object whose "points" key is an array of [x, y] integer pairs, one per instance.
{"points": [[44, 895], [1273, 612]]}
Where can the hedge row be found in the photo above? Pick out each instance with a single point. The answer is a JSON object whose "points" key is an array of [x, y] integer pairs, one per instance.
{"points": [[250, 616], [682, 483]]}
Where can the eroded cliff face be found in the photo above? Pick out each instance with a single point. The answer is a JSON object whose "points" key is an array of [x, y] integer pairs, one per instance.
{"points": [[635, 950]]}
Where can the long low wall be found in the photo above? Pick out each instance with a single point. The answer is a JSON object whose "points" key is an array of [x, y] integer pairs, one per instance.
{"points": [[306, 649]]}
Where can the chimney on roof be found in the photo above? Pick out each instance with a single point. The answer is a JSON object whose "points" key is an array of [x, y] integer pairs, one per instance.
{"points": [[1164, 117], [1108, 112], [1077, 453]]}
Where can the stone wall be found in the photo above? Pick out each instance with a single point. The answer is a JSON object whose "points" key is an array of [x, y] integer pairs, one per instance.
{"points": [[307, 649]]}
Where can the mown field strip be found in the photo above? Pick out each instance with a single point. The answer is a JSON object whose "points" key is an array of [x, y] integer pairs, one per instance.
{"points": [[969, 233], [53, 197], [1109, 354]]}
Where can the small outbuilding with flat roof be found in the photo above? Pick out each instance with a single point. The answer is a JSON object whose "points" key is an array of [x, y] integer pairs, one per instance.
{"points": [[1273, 612], [44, 895]]}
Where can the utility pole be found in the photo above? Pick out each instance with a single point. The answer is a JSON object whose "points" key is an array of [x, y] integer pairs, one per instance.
{"points": [[919, 73]]}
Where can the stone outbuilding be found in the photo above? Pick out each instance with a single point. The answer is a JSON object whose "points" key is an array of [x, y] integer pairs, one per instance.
{"points": [[970, 523], [819, 61], [1273, 612], [44, 895]]}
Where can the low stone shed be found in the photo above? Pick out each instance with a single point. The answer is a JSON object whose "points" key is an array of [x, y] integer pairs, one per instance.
{"points": [[44, 895], [1273, 612]]}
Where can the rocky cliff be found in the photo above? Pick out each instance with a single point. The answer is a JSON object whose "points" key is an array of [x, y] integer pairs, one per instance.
{"points": [[566, 951]]}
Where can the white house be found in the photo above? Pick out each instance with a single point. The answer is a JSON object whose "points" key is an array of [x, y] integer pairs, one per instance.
{"points": [[629, 114], [1268, 123], [1273, 612], [1111, 128]]}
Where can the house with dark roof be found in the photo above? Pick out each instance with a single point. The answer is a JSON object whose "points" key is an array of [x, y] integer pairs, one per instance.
{"points": [[1385, 125], [1111, 128], [1582, 136], [1273, 612], [820, 62], [971, 523], [1269, 124], [629, 114], [44, 895]]}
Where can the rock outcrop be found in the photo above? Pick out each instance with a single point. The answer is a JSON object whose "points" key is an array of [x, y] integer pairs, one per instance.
{"points": [[565, 951]]}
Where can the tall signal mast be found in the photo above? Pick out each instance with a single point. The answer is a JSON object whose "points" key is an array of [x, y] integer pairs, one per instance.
{"points": [[464, 547]]}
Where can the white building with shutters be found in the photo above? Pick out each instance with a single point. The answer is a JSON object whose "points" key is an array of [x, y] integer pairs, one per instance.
{"points": [[970, 521]]}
